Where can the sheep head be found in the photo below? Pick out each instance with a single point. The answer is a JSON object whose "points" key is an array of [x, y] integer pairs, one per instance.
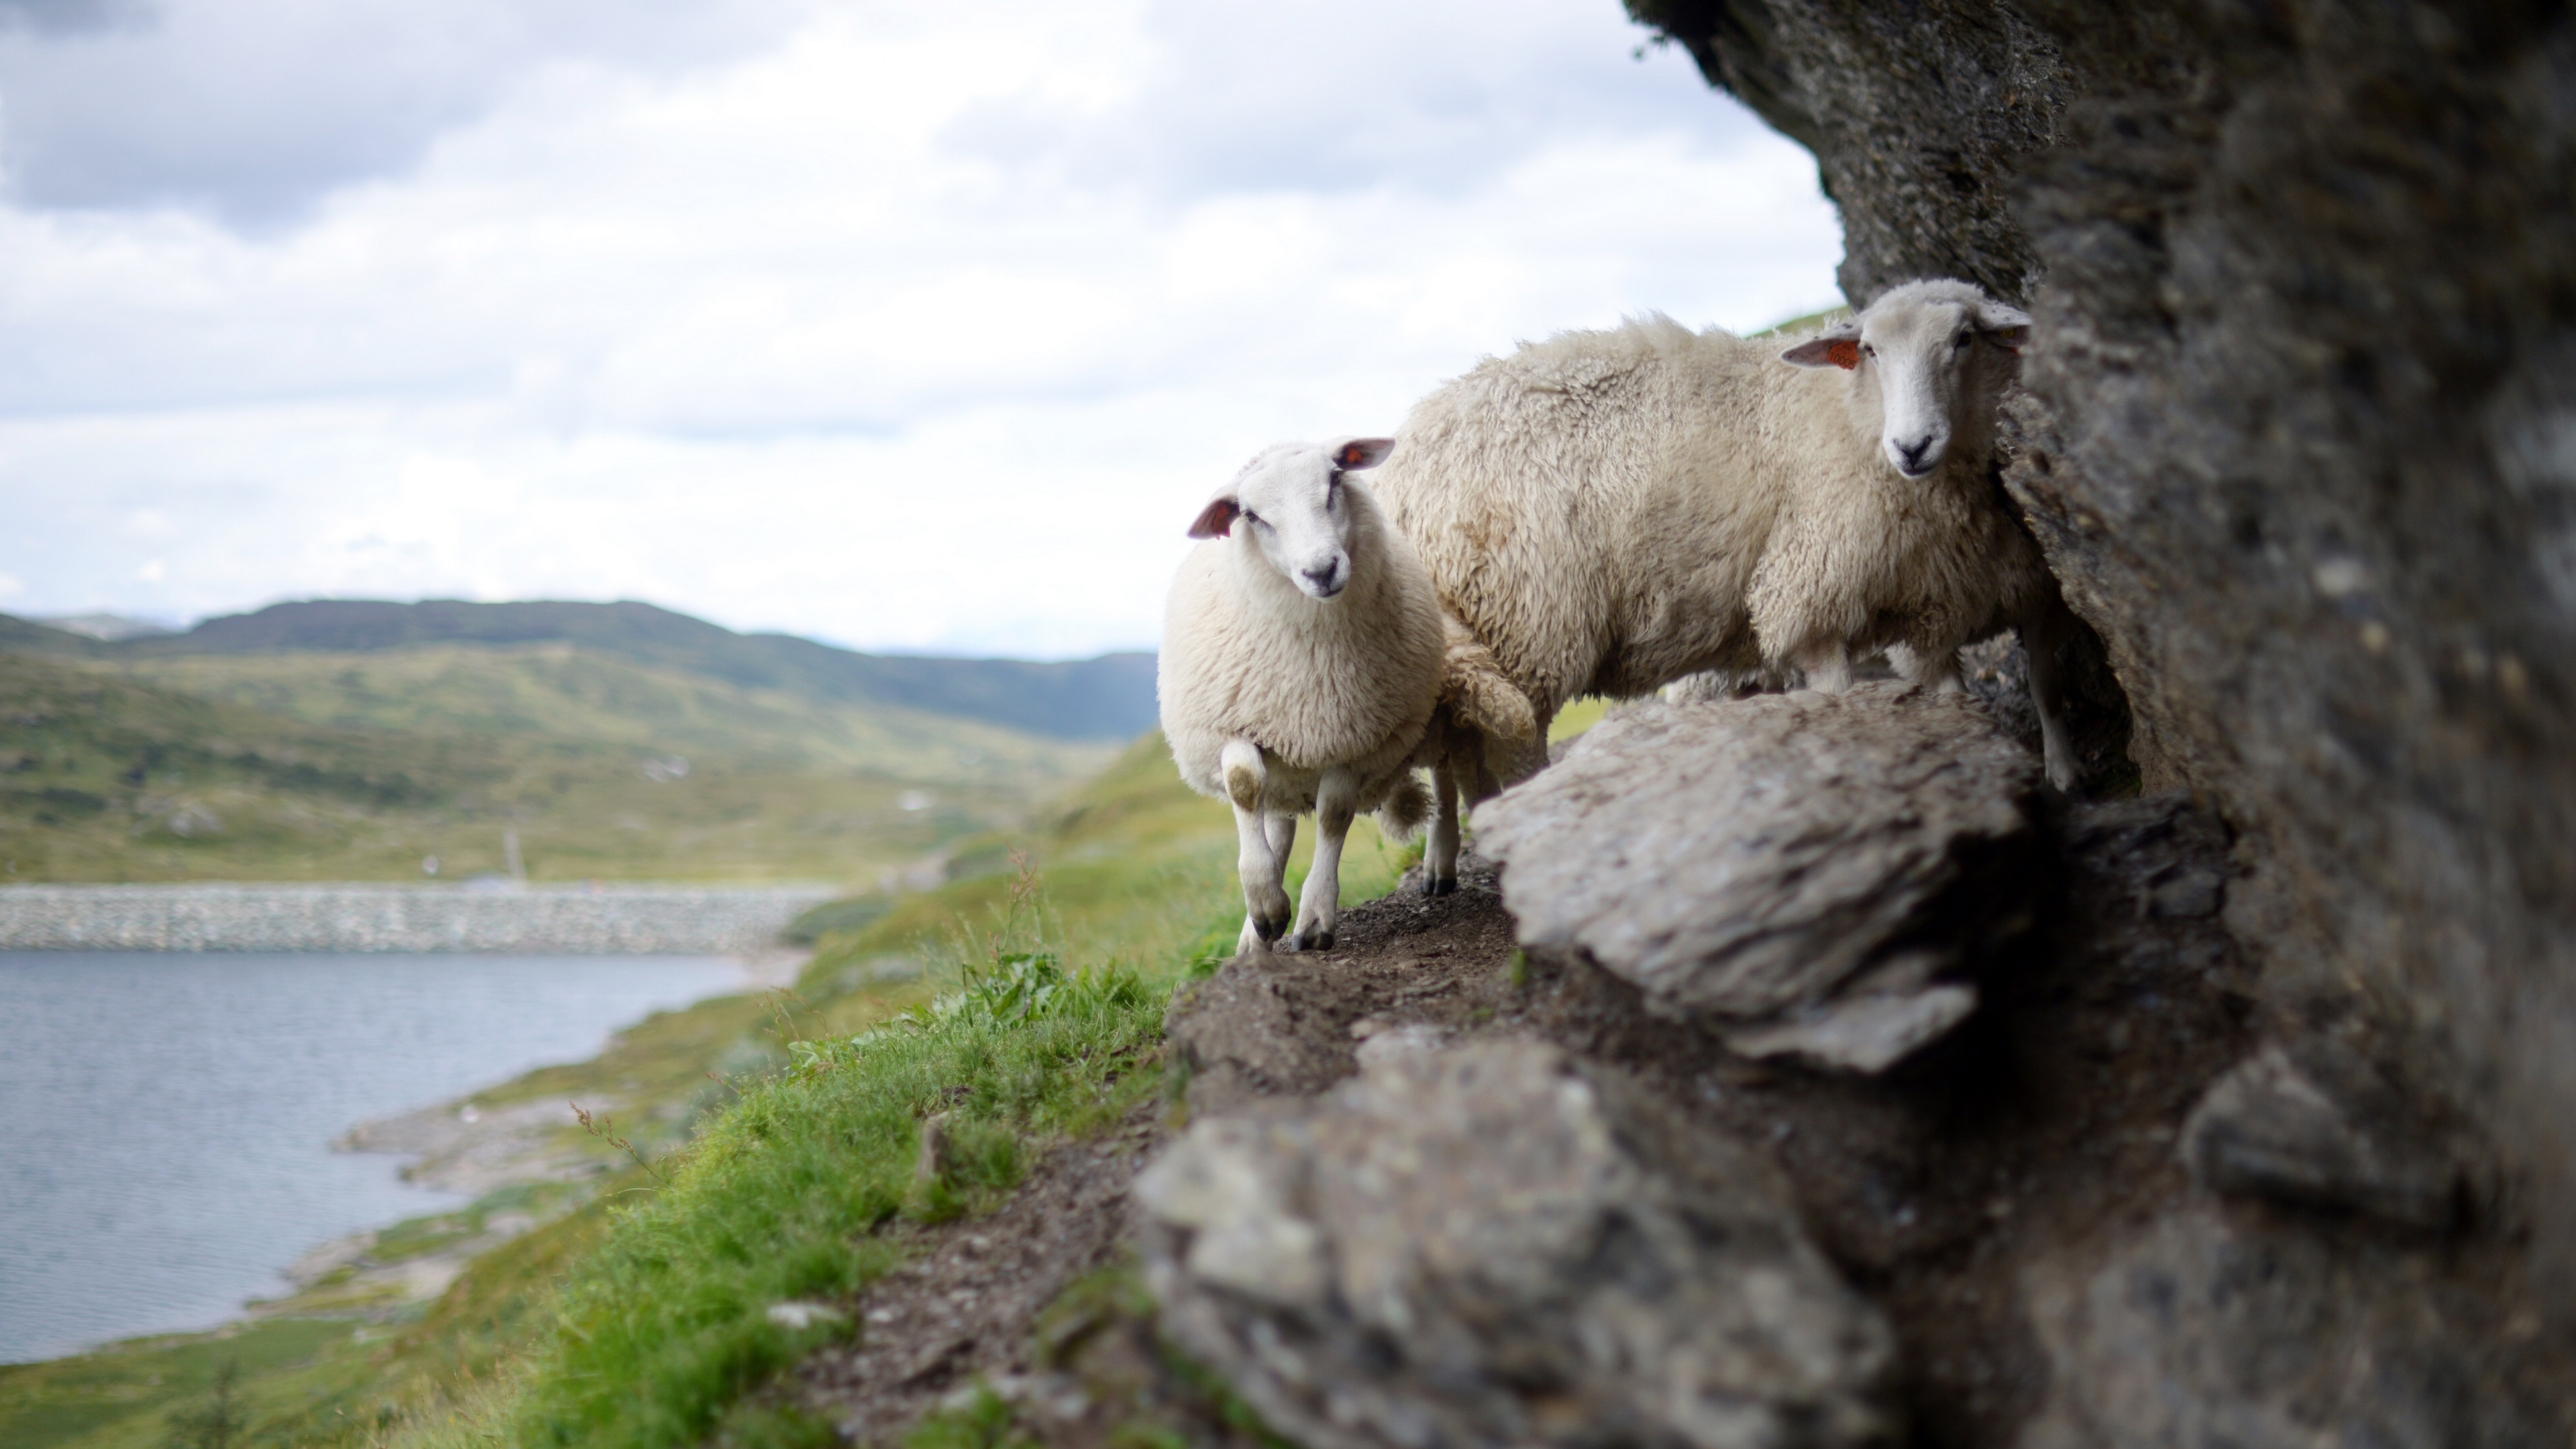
{"points": [[1929, 361], [1295, 510]]}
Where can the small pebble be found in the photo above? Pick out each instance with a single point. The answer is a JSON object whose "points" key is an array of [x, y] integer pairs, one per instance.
{"points": [[796, 1317]]}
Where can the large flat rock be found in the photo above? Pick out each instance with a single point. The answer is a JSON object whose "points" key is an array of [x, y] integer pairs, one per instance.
{"points": [[1800, 866], [1487, 1244]]}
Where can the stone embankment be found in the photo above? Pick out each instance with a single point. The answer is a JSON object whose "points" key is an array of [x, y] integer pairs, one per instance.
{"points": [[573, 920]]}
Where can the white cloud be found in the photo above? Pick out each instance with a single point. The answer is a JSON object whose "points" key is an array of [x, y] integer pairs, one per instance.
{"points": [[252, 109], [904, 329]]}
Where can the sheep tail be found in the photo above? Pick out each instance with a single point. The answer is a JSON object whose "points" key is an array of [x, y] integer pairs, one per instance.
{"points": [[1407, 809], [1476, 692]]}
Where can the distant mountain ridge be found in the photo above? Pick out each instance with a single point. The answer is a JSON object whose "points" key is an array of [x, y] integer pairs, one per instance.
{"points": [[1110, 697], [111, 627]]}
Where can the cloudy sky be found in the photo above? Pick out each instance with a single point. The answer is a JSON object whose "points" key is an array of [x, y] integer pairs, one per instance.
{"points": [[911, 326]]}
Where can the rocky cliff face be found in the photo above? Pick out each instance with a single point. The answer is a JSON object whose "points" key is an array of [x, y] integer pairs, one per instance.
{"points": [[2301, 444]]}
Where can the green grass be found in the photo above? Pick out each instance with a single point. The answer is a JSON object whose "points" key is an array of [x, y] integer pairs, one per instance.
{"points": [[1577, 717], [318, 1378], [122, 1396], [358, 767], [666, 1327], [559, 691]]}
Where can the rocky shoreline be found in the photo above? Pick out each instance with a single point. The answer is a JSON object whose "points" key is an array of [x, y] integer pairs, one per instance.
{"points": [[623, 920]]}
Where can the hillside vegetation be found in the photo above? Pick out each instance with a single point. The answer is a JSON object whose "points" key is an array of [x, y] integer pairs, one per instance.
{"points": [[1028, 1002], [122, 762], [1110, 698]]}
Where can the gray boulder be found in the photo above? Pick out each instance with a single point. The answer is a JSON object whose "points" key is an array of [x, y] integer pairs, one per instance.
{"points": [[1483, 1245], [2315, 1124], [1794, 869], [2207, 1328]]}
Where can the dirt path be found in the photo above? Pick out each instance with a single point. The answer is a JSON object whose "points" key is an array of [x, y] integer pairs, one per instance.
{"points": [[968, 1302]]}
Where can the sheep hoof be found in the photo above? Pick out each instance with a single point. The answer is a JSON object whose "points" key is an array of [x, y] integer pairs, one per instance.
{"points": [[2063, 772], [1432, 886], [1269, 929], [1308, 941]]}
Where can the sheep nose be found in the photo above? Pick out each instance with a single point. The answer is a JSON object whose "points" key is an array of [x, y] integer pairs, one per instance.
{"points": [[1910, 456], [1321, 576]]}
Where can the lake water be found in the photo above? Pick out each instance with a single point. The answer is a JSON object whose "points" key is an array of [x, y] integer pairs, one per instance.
{"points": [[166, 1119]]}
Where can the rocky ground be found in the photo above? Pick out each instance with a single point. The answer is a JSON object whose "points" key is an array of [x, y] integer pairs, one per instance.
{"points": [[1467, 1178]]}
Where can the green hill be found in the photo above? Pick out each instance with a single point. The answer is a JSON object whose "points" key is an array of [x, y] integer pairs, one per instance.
{"points": [[1108, 698], [571, 693], [609, 758], [26, 636]]}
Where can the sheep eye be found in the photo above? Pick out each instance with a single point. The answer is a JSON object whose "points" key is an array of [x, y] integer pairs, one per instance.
{"points": [[1964, 339], [1332, 489], [1868, 351]]}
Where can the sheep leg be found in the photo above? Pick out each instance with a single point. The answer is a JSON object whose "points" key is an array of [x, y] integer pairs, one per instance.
{"points": [[1281, 832], [2047, 627], [1265, 902], [1934, 668], [1828, 666], [1440, 859], [1319, 909]]}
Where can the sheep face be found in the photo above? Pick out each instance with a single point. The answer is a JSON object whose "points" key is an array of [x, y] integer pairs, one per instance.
{"points": [[1293, 509], [1929, 361]]}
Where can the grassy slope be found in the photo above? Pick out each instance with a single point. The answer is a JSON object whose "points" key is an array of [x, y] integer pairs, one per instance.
{"points": [[778, 1198], [317, 766], [558, 690], [785, 1173]]}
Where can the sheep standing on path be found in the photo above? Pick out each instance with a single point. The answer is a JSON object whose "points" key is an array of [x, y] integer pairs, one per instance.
{"points": [[1609, 511], [1301, 664]]}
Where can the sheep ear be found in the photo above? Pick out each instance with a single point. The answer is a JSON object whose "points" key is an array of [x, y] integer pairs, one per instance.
{"points": [[2008, 326], [1353, 453], [1216, 520], [1838, 348]]}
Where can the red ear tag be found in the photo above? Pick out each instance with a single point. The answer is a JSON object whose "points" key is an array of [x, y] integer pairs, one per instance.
{"points": [[1349, 456], [1844, 353]]}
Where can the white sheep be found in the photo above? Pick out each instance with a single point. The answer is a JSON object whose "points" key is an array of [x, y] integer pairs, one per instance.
{"points": [[1301, 665], [1609, 511]]}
